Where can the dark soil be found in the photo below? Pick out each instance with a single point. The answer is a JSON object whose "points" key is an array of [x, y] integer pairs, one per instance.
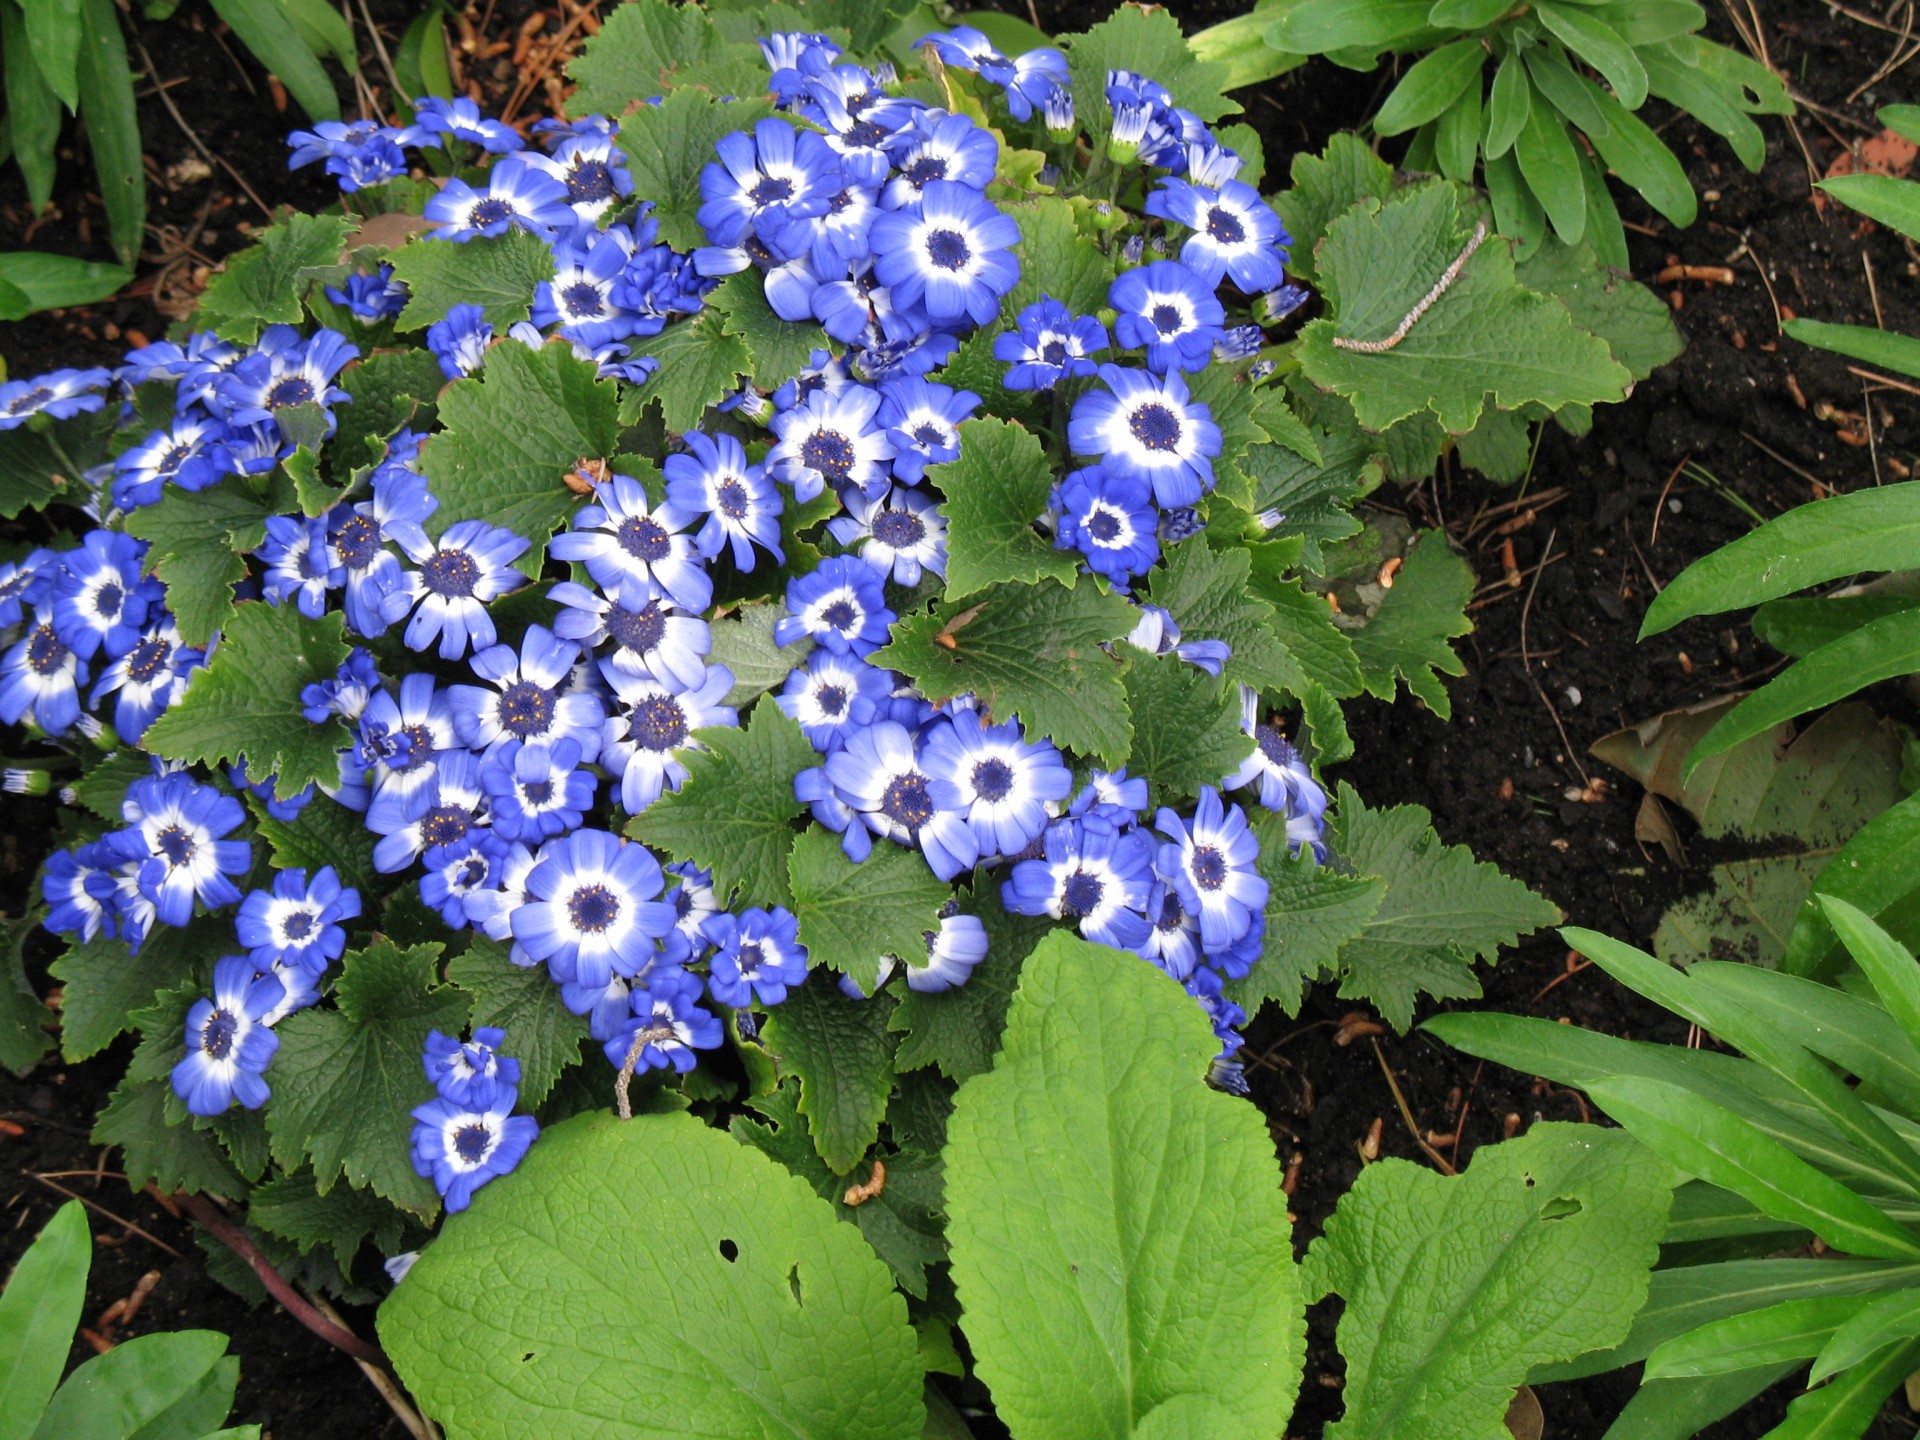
{"points": [[1496, 777]]}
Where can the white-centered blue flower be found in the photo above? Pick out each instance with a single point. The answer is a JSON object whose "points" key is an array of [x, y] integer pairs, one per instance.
{"points": [[189, 454], [1284, 778], [591, 168], [623, 541], [460, 119], [742, 506], [900, 535], [300, 564], [461, 1149], [1147, 426], [284, 369], [879, 776], [580, 297], [459, 341], [831, 438], [771, 184], [1011, 786], [1171, 311], [1211, 861], [1109, 517], [1173, 942], [537, 789], [297, 923], [1091, 873], [643, 742], [529, 696], [469, 1073], [228, 1043], [833, 695], [757, 954], [175, 835], [959, 944], [1049, 343], [517, 197], [1234, 232], [61, 394], [593, 912], [78, 887], [923, 422], [447, 594], [401, 739], [450, 873], [454, 807], [667, 1024], [938, 146], [841, 604], [949, 250], [99, 600], [648, 638]]}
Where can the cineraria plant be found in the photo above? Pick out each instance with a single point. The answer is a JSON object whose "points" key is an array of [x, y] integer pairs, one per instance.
{"points": [[689, 603]]}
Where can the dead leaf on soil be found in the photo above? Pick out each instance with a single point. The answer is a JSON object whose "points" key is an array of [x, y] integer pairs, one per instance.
{"points": [[1525, 1419], [1884, 154]]}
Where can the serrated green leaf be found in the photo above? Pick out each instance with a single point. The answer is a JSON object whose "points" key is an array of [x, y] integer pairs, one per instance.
{"points": [[1209, 594], [391, 388], [1186, 724], [1027, 650], [499, 273], [974, 368], [1147, 41], [667, 145], [995, 491], [1095, 1303], [1312, 911], [194, 541], [779, 349], [957, 1031], [105, 981], [765, 1316], [291, 1207], [734, 814], [1315, 501], [1057, 259], [23, 1039], [173, 1157], [1485, 335], [743, 642], [523, 1000], [1455, 1286], [842, 1051], [325, 832], [37, 465], [700, 364], [1407, 636], [1303, 624], [346, 1080], [851, 915], [1326, 186], [1442, 909], [246, 701], [512, 434], [642, 51], [265, 284]]}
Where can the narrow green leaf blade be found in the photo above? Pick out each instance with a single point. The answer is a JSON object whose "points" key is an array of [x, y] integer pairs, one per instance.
{"points": [[1882, 1322], [1845, 1407], [1791, 1330], [113, 1395], [54, 31], [265, 29], [1597, 43], [113, 127], [1884, 348], [47, 281], [1507, 106], [1885, 962], [1551, 169], [1877, 870], [1430, 85], [1889, 200], [33, 109], [39, 1311]]}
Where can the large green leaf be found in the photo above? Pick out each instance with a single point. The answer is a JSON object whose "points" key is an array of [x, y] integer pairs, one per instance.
{"points": [[852, 914], [642, 51], [665, 1281], [1326, 186], [1186, 724], [1057, 258], [1636, 324], [1456, 1286], [1210, 596], [669, 144], [1486, 335], [700, 363], [499, 273], [266, 283], [842, 1051], [1101, 1300], [145, 1387], [780, 348], [171, 1156], [958, 1030], [292, 1207], [39, 1311], [995, 491], [1407, 637]]}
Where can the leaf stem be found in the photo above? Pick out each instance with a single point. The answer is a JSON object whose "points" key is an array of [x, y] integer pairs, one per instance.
{"points": [[641, 1039]]}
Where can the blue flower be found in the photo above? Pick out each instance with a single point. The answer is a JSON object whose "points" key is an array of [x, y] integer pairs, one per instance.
{"points": [[593, 171], [831, 438], [398, 511], [358, 154], [951, 250], [471, 565], [859, 118], [530, 696], [470, 1074], [1285, 779], [939, 146], [1210, 861], [742, 506], [190, 455], [771, 184], [41, 677], [537, 789], [1049, 344], [1091, 873], [176, 833], [694, 901], [228, 1043], [1040, 77], [592, 912], [1171, 311], [60, 393], [1234, 232], [401, 740], [490, 908], [517, 197], [651, 639], [882, 781], [1173, 942], [282, 370], [794, 57], [460, 341], [923, 422], [1206, 986], [26, 584], [580, 297], [374, 297], [667, 1023], [899, 536], [959, 944], [757, 954], [1146, 426], [297, 923], [644, 741], [623, 542], [78, 885], [1109, 518], [1010, 787], [833, 695], [453, 872], [301, 565], [1113, 799], [461, 1149], [841, 604], [346, 694], [98, 598], [1157, 633], [286, 811], [411, 821], [461, 120]]}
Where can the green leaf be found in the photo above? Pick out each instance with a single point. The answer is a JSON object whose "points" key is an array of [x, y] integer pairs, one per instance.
{"points": [[138, 1381], [1313, 911], [33, 109], [512, 434], [764, 1315], [1485, 334], [1636, 324], [47, 281], [1317, 26], [53, 39], [743, 642], [105, 981], [700, 364], [1456, 1286], [292, 1207], [1887, 965], [1500, 446], [1794, 1330], [1675, 74], [1640, 158], [266, 29], [667, 145], [247, 700], [1209, 595], [194, 541], [1407, 636], [842, 1051], [1884, 348], [851, 915], [1595, 42], [499, 273], [1429, 86], [1551, 168], [1879, 1323], [1186, 724], [957, 1031], [1315, 501], [1848, 1405], [780, 349], [1875, 870], [1442, 909], [1027, 650], [324, 833], [1096, 1304], [639, 53], [173, 1157], [1554, 81], [1508, 106], [266, 284], [735, 812], [344, 1081], [23, 1018], [1057, 259], [1892, 202], [542, 1034], [39, 1312], [1456, 135], [995, 491], [113, 127], [1325, 187], [1148, 41]]}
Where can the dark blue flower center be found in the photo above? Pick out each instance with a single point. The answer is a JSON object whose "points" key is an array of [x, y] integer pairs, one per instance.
{"points": [[471, 1143], [526, 709], [298, 926], [1208, 867], [948, 249], [174, 845], [45, 652], [216, 1036], [1054, 352], [537, 792], [1155, 426], [1224, 226], [644, 538], [293, 390], [592, 908], [452, 573], [1167, 319], [841, 200], [443, 825], [1274, 746], [930, 435], [658, 723], [108, 599], [864, 135], [148, 659], [771, 190], [1172, 914], [1104, 526], [589, 182], [357, 542], [832, 699], [172, 460], [992, 779], [490, 211], [581, 300], [471, 873], [927, 167], [898, 529], [841, 615], [637, 630], [414, 746], [829, 452], [752, 957], [730, 498], [1081, 894], [906, 802]]}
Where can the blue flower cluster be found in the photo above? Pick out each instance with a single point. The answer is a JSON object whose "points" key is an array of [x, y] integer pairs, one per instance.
{"points": [[467, 1134]]}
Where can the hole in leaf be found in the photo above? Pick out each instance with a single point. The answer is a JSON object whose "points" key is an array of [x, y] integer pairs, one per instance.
{"points": [[729, 1251], [793, 1284], [526, 1357], [1531, 1182], [1560, 1208]]}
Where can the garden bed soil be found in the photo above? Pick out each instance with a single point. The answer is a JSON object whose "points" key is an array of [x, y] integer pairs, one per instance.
{"points": [[1742, 404]]}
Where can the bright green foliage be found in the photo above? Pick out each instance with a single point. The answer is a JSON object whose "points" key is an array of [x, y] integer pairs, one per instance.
{"points": [[1316, 501], [496, 272], [1186, 724], [195, 540], [1407, 636], [1052, 245], [748, 1310], [1326, 186], [173, 1157], [958, 1030], [700, 362], [667, 145], [324, 833], [995, 491], [735, 812], [512, 434], [341, 1219], [1100, 1299], [648, 48], [176, 1384], [1874, 871], [842, 1051], [851, 915], [1487, 335], [1313, 911], [1303, 622], [522, 1000], [1208, 594], [1455, 1287], [37, 466], [105, 981], [743, 642], [780, 349], [1148, 41], [1027, 650], [247, 700], [266, 283], [22, 1040], [1636, 324], [345, 1080], [39, 1311], [1442, 909], [31, 280]]}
